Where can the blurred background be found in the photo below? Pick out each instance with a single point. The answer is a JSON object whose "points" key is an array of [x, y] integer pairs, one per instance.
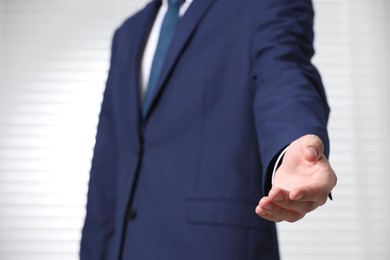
{"points": [[53, 66]]}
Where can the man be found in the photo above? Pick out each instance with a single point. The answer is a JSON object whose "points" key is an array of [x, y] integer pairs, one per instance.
{"points": [[201, 101]]}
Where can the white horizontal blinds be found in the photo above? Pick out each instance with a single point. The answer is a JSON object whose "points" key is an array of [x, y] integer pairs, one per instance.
{"points": [[353, 56], [371, 67], [55, 60], [1, 39]]}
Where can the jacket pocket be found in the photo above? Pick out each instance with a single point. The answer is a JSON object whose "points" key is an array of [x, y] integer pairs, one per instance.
{"points": [[228, 212]]}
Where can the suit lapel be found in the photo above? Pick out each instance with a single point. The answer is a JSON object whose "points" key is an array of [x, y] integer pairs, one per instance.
{"points": [[185, 28]]}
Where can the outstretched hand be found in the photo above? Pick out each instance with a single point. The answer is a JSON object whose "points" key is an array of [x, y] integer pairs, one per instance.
{"points": [[301, 184]]}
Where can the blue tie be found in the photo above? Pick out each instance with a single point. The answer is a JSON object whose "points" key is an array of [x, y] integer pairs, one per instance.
{"points": [[166, 34]]}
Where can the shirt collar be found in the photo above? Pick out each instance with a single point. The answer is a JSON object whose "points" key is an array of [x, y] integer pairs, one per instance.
{"points": [[185, 1]]}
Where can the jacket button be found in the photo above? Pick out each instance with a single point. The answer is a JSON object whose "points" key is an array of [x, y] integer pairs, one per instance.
{"points": [[131, 214]]}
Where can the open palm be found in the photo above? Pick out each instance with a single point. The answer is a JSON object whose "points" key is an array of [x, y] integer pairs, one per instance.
{"points": [[301, 184]]}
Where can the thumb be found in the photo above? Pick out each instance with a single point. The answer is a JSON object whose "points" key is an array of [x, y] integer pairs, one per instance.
{"points": [[313, 148]]}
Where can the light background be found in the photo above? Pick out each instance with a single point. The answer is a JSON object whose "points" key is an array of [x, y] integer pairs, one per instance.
{"points": [[53, 65]]}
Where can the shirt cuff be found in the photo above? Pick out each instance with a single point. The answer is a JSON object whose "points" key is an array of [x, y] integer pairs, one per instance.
{"points": [[278, 163]]}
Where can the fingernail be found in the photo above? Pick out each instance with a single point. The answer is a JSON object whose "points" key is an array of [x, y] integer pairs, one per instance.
{"points": [[278, 197], [268, 207], [299, 196]]}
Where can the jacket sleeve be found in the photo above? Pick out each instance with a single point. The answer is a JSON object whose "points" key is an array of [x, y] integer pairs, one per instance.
{"points": [[289, 99], [98, 226]]}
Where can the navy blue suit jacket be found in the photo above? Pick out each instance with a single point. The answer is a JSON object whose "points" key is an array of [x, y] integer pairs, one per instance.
{"points": [[183, 182]]}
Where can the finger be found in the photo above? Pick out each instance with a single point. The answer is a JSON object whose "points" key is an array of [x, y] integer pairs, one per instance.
{"points": [[265, 203], [313, 148], [279, 214], [282, 198], [264, 208], [278, 194], [310, 154], [312, 193], [267, 216]]}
